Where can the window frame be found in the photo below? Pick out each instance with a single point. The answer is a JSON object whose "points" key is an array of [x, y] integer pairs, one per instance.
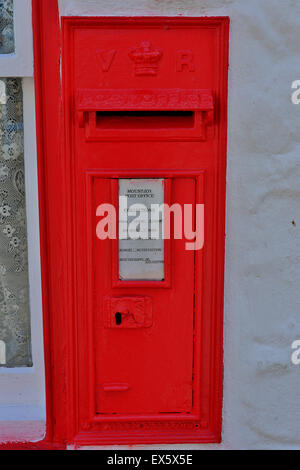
{"points": [[20, 62], [23, 388]]}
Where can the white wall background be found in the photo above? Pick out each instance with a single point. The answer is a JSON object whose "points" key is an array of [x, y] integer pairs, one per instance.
{"points": [[262, 276]]}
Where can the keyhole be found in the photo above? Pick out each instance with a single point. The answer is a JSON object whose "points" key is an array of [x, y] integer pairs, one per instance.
{"points": [[118, 317]]}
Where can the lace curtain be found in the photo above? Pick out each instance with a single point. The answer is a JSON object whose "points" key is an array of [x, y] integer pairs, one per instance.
{"points": [[7, 43], [14, 303]]}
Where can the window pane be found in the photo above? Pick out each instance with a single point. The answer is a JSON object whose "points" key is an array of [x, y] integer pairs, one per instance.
{"points": [[7, 42], [14, 304]]}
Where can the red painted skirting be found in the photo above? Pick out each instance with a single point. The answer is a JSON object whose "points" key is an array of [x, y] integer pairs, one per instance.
{"points": [[40, 445]]}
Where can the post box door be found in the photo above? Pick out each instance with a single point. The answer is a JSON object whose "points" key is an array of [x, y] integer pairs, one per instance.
{"points": [[144, 333]]}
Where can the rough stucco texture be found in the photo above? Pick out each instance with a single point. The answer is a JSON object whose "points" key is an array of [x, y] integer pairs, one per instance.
{"points": [[262, 275]]}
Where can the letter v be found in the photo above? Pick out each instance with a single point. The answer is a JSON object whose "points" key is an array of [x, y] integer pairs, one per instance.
{"points": [[106, 58]]}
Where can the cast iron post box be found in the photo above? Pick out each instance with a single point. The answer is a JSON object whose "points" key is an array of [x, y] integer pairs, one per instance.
{"points": [[145, 122]]}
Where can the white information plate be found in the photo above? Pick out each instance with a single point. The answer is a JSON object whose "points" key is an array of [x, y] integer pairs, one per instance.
{"points": [[141, 244]]}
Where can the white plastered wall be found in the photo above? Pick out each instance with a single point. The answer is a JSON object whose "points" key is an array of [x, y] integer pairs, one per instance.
{"points": [[262, 273]]}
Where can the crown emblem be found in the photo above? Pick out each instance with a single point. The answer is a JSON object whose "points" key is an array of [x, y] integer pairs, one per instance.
{"points": [[145, 58]]}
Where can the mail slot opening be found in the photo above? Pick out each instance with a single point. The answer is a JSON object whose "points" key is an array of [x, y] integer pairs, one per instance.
{"points": [[144, 119]]}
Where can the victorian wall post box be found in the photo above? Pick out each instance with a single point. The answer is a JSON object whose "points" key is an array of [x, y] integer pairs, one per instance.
{"points": [[144, 122]]}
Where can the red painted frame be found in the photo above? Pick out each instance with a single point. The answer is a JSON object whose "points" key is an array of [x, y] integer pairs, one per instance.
{"points": [[56, 218]]}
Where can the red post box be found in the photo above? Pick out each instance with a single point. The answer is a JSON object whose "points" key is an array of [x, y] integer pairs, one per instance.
{"points": [[144, 118]]}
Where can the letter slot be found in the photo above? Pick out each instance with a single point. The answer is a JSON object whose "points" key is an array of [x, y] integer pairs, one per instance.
{"points": [[145, 114]]}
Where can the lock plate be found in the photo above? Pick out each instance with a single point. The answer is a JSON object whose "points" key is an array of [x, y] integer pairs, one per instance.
{"points": [[127, 312]]}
